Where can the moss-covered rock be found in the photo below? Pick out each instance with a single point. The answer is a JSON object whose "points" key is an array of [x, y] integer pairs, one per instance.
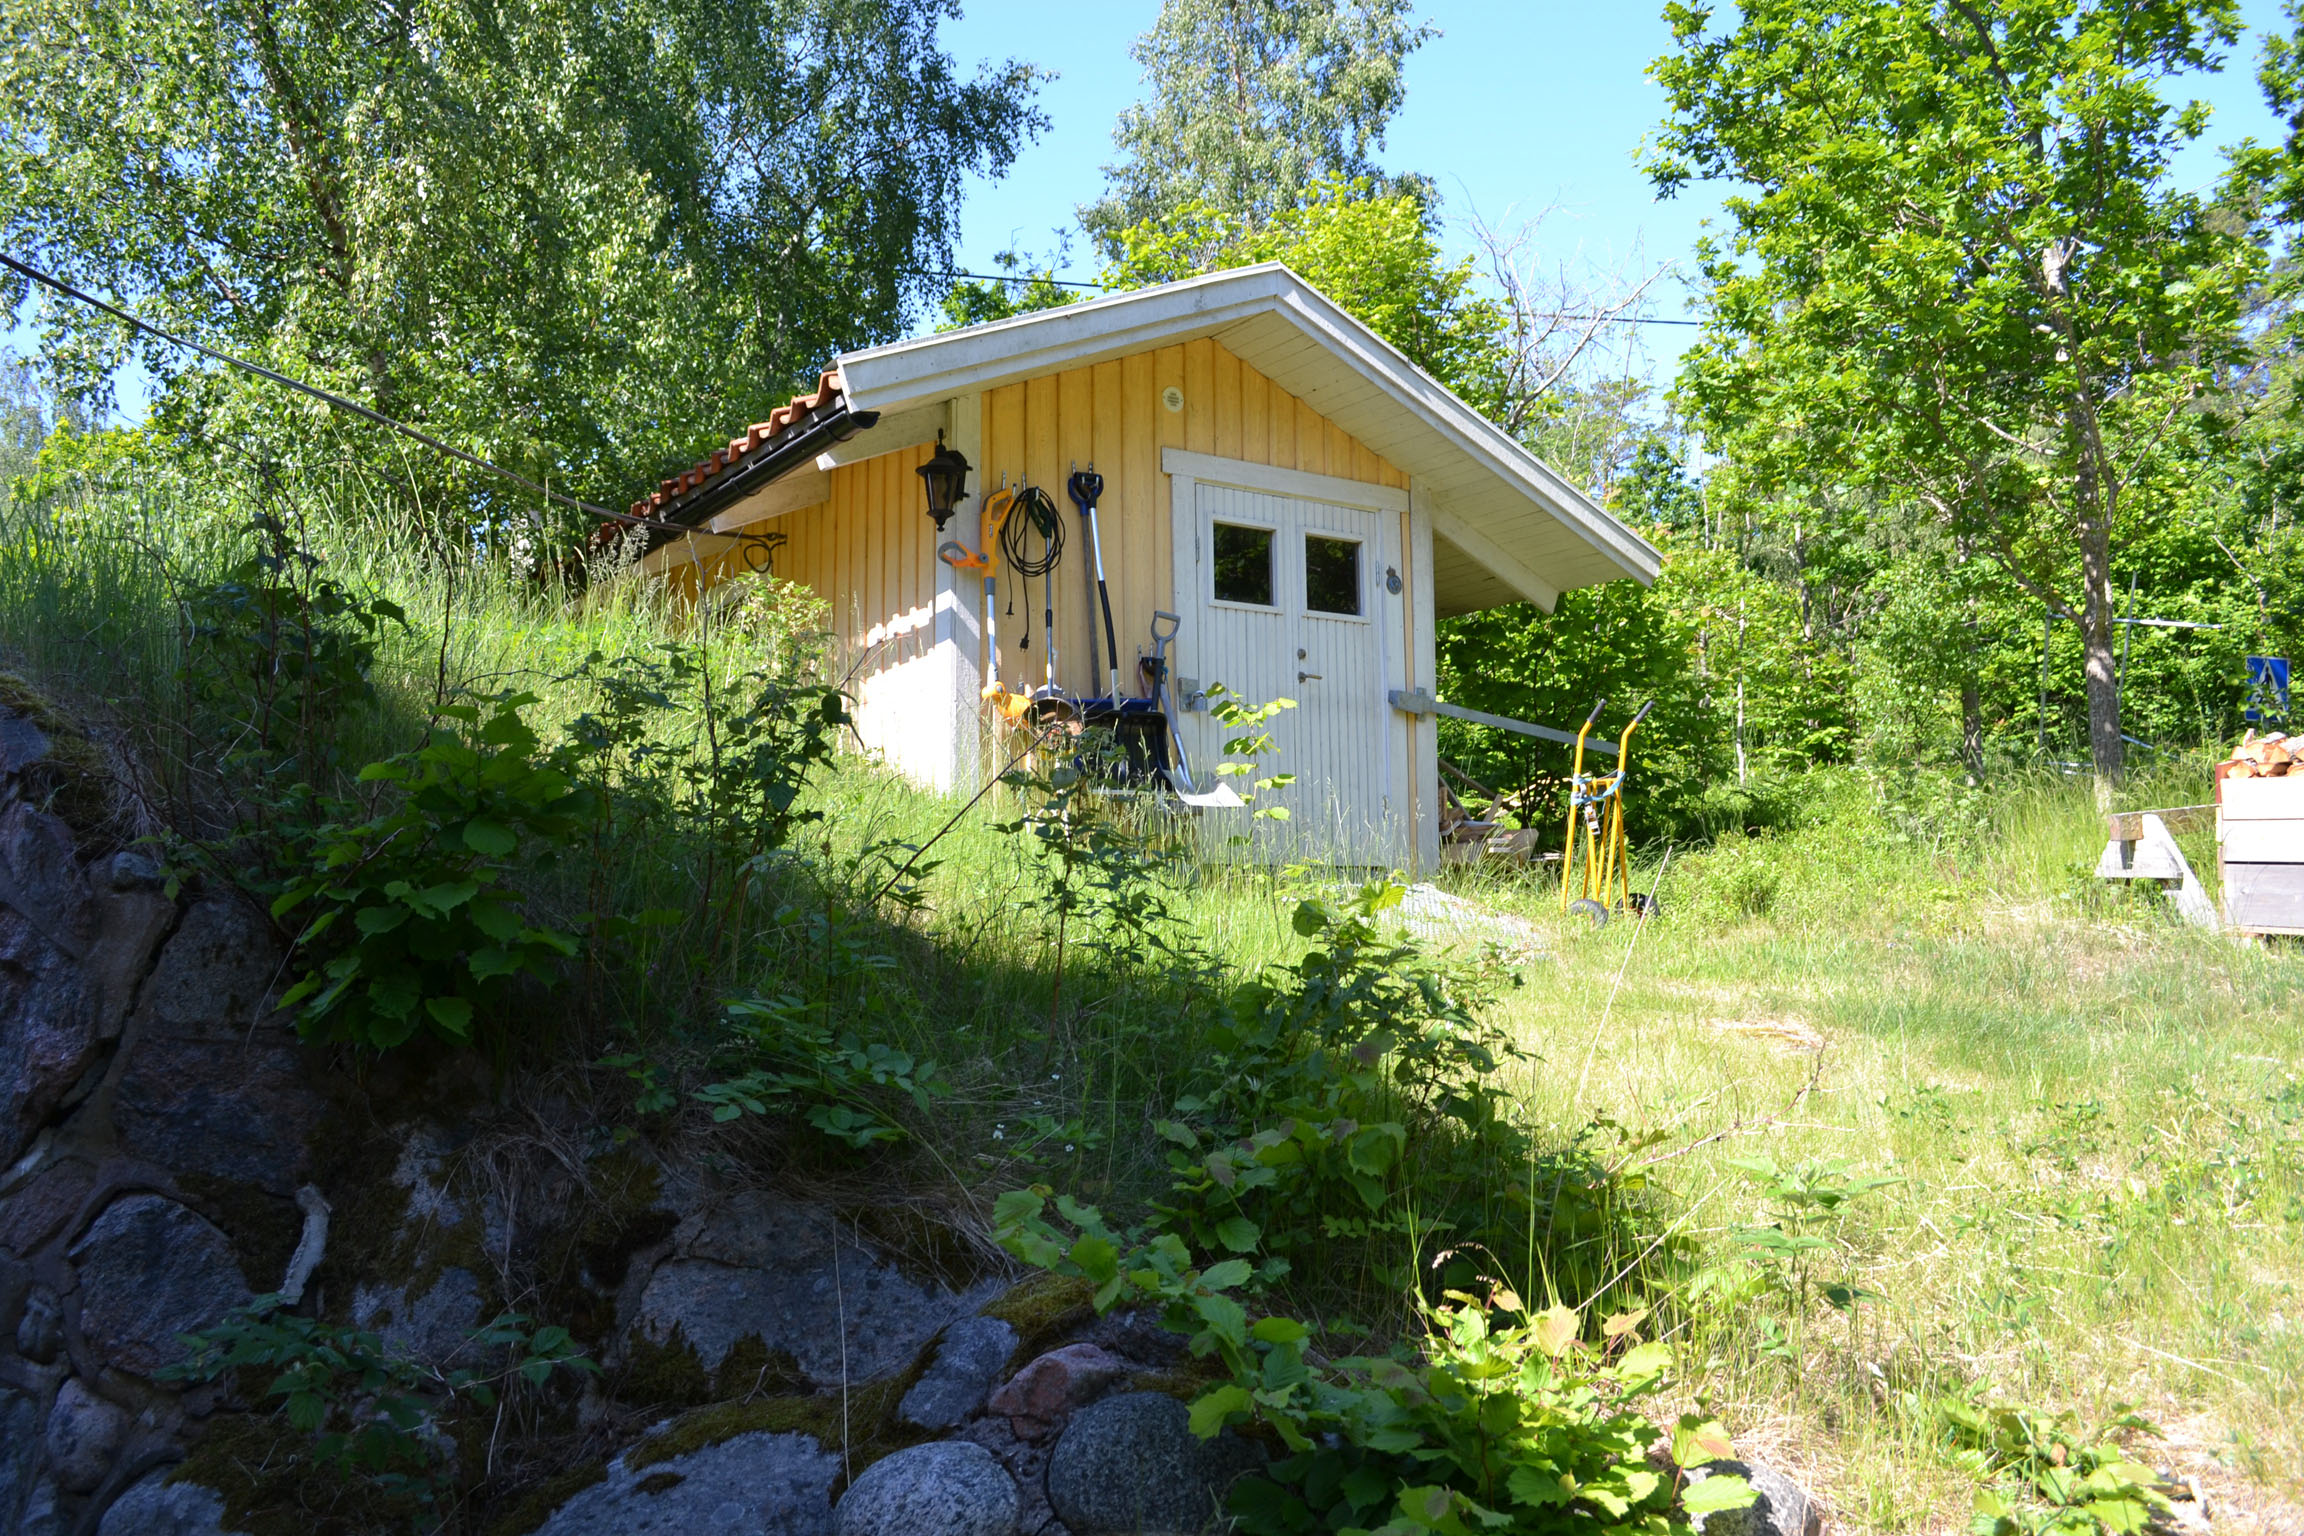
{"points": [[1043, 1309]]}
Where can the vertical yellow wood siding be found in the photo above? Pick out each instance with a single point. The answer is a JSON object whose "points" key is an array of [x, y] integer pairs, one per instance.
{"points": [[869, 549], [1112, 415]]}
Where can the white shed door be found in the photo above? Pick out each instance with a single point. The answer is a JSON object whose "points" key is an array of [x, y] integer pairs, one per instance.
{"points": [[1289, 600]]}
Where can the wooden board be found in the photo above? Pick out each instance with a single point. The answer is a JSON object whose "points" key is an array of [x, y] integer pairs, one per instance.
{"points": [[2280, 799], [2264, 842], [2127, 826], [2260, 897]]}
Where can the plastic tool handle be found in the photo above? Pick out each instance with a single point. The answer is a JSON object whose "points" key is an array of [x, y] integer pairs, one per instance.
{"points": [[1593, 718], [1175, 623], [1643, 714]]}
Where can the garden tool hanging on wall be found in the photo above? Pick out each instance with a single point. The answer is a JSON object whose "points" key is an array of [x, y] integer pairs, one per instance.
{"points": [[1034, 514], [990, 515], [1086, 488], [1596, 811]]}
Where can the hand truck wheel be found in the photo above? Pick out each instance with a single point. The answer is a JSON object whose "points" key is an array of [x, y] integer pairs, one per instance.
{"points": [[1586, 907]]}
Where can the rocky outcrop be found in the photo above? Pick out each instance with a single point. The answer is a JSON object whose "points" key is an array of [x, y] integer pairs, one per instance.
{"points": [[1782, 1508], [944, 1488], [966, 1361], [749, 1485], [767, 1365], [793, 1278], [151, 1271], [48, 1001]]}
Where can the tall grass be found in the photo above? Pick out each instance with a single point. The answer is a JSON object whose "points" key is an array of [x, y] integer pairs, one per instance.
{"points": [[2096, 1114]]}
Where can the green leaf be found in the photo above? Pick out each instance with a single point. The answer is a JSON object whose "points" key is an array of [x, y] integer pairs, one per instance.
{"points": [[487, 836], [491, 962], [1554, 1331], [1697, 1441], [1717, 1491], [453, 1014], [376, 920], [440, 900], [1224, 1276], [1213, 1409], [1238, 1233], [1645, 1363]]}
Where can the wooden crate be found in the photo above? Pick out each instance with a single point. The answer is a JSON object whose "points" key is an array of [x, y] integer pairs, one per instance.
{"points": [[2260, 852]]}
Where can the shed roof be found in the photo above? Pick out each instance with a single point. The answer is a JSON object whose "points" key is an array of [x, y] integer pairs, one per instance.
{"points": [[1506, 524]]}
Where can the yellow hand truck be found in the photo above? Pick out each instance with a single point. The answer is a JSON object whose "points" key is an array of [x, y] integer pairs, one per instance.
{"points": [[1596, 810]]}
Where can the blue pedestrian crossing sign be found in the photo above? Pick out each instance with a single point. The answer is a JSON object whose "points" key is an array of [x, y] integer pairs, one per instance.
{"points": [[2267, 689]]}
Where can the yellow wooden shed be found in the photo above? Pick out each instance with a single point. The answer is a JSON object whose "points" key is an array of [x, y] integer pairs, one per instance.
{"points": [[1303, 497]]}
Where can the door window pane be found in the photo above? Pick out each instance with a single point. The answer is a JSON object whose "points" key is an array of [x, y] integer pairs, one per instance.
{"points": [[1243, 565], [1331, 574]]}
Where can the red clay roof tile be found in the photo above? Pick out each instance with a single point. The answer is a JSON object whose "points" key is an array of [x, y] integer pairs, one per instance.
{"points": [[761, 435]]}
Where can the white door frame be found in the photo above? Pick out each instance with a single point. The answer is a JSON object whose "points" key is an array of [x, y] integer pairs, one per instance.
{"points": [[1397, 647]]}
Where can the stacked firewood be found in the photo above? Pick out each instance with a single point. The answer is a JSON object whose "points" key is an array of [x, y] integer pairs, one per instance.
{"points": [[2263, 757]]}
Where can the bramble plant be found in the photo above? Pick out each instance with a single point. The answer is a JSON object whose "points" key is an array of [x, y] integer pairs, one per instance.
{"points": [[280, 648], [1325, 1074], [1100, 870], [1246, 741], [1800, 1198], [2049, 1475], [1500, 1419], [412, 921], [370, 1410], [840, 1083]]}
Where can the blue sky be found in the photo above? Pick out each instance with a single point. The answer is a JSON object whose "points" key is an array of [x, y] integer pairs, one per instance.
{"points": [[1516, 106]]}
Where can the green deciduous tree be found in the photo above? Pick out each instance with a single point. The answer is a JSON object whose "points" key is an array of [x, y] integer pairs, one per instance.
{"points": [[1252, 103], [1956, 270], [579, 240], [1373, 253]]}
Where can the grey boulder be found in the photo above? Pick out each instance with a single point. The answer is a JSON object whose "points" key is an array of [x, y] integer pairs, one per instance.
{"points": [[790, 1275], [1781, 1510], [945, 1488], [435, 1328], [969, 1358], [1131, 1466], [216, 1082], [19, 1455], [150, 1270], [48, 1013], [84, 1436], [758, 1484], [158, 1507]]}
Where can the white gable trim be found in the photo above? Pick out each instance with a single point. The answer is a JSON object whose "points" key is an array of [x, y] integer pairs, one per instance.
{"points": [[1299, 484], [910, 373]]}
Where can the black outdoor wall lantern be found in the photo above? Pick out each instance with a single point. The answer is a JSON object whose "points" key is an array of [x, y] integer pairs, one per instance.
{"points": [[946, 474]]}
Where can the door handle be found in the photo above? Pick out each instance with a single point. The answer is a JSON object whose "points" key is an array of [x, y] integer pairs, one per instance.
{"points": [[1309, 677]]}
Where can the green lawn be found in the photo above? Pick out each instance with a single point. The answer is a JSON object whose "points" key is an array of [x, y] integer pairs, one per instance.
{"points": [[2096, 1118]]}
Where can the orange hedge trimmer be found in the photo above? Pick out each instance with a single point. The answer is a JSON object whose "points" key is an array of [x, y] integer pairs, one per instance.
{"points": [[957, 555]]}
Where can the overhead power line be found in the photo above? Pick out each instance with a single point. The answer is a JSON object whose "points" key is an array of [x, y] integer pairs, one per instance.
{"points": [[329, 397], [415, 435], [1028, 278]]}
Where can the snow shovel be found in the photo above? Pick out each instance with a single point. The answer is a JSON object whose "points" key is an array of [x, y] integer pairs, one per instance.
{"points": [[1164, 694]]}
